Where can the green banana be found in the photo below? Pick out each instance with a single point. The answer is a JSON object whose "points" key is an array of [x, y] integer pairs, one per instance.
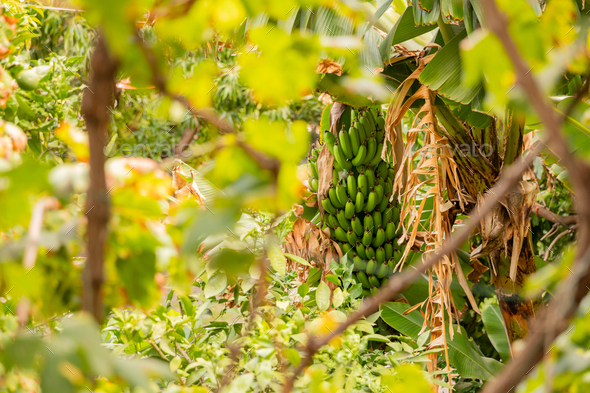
{"points": [[313, 184], [340, 158], [359, 264], [333, 221], [379, 192], [344, 140], [360, 201], [368, 222], [390, 266], [344, 223], [379, 238], [351, 185], [371, 118], [387, 213], [334, 198], [361, 130], [370, 177], [367, 237], [380, 255], [340, 234], [395, 215], [377, 157], [360, 250], [328, 206], [390, 230], [371, 266], [374, 281], [363, 279], [382, 170], [377, 221], [369, 252], [371, 201], [345, 248], [363, 183], [341, 193], [371, 149], [349, 209], [384, 203], [356, 225], [360, 156], [351, 236], [366, 126], [329, 139], [335, 175], [366, 293], [381, 270], [314, 169], [355, 143], [388, 248], [380, 136], [380, 121]]}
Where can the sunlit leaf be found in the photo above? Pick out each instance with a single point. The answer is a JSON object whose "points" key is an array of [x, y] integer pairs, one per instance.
{"points": [[322, 296]]}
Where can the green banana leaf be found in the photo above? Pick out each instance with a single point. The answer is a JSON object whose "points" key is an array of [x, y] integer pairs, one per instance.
{"points": [[445, 72], [494, 324], [426, 12], [409, 325], [405, 29], [465, 356]]}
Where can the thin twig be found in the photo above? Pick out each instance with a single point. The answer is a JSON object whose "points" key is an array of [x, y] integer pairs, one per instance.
{"points": [[562, 234], [34, 232], [183, 353], [153, 344]]}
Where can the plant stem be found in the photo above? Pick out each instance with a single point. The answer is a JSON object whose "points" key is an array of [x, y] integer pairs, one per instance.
{"points": [[445, 30]]}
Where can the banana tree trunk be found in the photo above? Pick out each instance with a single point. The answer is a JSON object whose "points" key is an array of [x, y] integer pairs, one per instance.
{"points": [[518, 312]]}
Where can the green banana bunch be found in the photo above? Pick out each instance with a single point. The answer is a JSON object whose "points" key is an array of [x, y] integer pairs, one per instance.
{"points": [[360, 209]]}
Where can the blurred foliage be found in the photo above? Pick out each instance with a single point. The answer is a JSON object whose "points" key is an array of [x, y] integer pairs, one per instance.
{"points": [[188, 242]]}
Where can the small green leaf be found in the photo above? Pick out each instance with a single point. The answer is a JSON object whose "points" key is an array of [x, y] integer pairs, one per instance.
{"points": [[277, 259], [333, 279], [297, 259], [377, 337], [337, 298], [215, 285], [175, 363], [322, 296], [292, 356], [303, 289]]}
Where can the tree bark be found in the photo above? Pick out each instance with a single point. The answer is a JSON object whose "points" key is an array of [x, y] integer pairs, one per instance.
{"points": [[98, 96]]}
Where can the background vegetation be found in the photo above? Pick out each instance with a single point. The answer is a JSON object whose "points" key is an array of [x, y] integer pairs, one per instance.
{"points": [[159, 231]]}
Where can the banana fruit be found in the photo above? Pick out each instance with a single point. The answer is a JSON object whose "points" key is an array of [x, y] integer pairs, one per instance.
{"points": [[360, 209]]}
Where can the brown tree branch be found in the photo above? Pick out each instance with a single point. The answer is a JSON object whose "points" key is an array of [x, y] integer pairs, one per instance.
{"points": [[399, 282], [547, 214], [556, 318], [95, 109], [185, 140]]}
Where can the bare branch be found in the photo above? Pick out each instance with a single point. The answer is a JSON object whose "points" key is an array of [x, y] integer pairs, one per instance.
{"points": [[98, 97], [547, 214], [562, 234]]}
